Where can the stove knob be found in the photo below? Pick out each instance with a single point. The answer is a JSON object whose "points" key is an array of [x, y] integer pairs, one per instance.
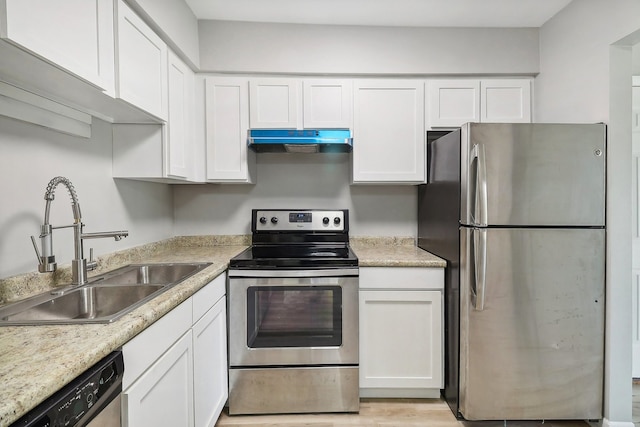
{"points": [[263, 220], [274, 220], [325, 220], [336, 220]]}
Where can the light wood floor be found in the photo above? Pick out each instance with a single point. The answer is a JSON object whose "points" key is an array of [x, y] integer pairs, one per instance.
{"points": [[381, 413]]}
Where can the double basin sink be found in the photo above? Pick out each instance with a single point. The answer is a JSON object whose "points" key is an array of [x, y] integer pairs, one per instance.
{"points": [[104, 299]]}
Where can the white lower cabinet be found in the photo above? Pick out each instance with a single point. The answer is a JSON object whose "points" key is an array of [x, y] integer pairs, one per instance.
{"points": [[401, 332], [210, 365], [176, 370], [163, 396]]}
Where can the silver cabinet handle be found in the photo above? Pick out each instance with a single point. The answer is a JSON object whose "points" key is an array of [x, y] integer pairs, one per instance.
{"points": [[480, 268]]}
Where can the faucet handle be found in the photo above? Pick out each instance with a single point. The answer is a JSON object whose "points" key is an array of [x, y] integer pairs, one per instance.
{"points": [[46, 264], [91, 264], [35, 247]]}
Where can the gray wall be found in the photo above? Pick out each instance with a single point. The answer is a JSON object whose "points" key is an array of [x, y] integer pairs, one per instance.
{"points": [[573, 84], [297, 181], [31, 156], [325, 49]]}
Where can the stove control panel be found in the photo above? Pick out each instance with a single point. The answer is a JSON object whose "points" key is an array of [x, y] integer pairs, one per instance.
{"points": [[300, 220]]}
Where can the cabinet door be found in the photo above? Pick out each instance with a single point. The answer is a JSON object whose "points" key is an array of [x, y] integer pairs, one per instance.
{"points": [[141, 64], [327, 103], [210, 365], [388, 132], [274, 103], [163, 395], [452, 102], [401, 339], [149, 345], [505, 101], [179, 150], [76, 35], [227, 123]]}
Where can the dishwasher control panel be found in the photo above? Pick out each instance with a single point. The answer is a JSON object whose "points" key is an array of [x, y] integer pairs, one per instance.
{"points": [[81, 399]]}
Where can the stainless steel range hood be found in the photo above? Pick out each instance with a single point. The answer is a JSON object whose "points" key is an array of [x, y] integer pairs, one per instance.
{"points": [[300, 141]]}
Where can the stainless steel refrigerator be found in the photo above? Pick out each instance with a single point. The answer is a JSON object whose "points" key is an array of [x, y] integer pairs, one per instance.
{"points": [[518, 212]]}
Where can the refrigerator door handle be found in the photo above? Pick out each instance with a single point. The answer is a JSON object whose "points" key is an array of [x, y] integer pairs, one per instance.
{"points": [[480, 268], [481, 202], [477, 195]]}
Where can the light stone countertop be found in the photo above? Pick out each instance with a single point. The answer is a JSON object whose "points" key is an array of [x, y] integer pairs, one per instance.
{"points": [[36, 361], [393, 252]]}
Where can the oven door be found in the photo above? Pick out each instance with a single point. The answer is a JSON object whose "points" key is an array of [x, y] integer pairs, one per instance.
{"points": [[293, 321]]}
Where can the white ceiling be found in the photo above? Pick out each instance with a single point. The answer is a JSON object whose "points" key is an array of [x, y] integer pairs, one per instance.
{"points": [[414, 13]]}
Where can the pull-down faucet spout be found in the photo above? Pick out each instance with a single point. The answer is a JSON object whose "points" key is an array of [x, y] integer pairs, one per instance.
{"points": [[79, 265]]}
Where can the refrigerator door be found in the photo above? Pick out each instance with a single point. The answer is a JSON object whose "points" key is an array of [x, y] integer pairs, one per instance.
{"points": [[531, 323], [533, 174]]}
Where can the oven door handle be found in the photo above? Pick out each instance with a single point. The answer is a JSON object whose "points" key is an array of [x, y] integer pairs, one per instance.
{"points": [[336, 272]]}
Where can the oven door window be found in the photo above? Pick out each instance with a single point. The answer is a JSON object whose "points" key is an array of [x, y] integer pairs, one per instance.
{"points": [[294, 316]]}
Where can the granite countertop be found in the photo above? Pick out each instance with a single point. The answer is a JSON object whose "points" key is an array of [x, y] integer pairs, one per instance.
{"points": [[36, 361], [393, 252]]}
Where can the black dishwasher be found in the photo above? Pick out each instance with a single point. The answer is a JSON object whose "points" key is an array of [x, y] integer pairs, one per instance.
{"points": [[93, 398]]}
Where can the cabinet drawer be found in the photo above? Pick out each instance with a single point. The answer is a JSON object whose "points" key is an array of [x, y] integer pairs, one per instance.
{"points": [[401, 278], [143, 350], [207, 297]]}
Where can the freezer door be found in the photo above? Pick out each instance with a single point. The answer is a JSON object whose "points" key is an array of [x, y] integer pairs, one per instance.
{"points": [[531, 323], [533, 174]]}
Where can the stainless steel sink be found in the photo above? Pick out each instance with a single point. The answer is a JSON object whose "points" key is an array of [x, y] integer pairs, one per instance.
{"points": [[106, 298], [137, 274], [87, 302]]}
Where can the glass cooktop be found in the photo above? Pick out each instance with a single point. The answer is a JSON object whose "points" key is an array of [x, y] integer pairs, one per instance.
{"points": [[295, 256]]}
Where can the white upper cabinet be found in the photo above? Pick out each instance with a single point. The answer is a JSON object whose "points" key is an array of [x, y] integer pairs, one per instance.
{"points": [[76, 35], [180, 149], [278, 103], [453, 102], [162, 152], [141, 64], [328, 104], [505, 101], [274, 103], [388, 132], [227, 122]]}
